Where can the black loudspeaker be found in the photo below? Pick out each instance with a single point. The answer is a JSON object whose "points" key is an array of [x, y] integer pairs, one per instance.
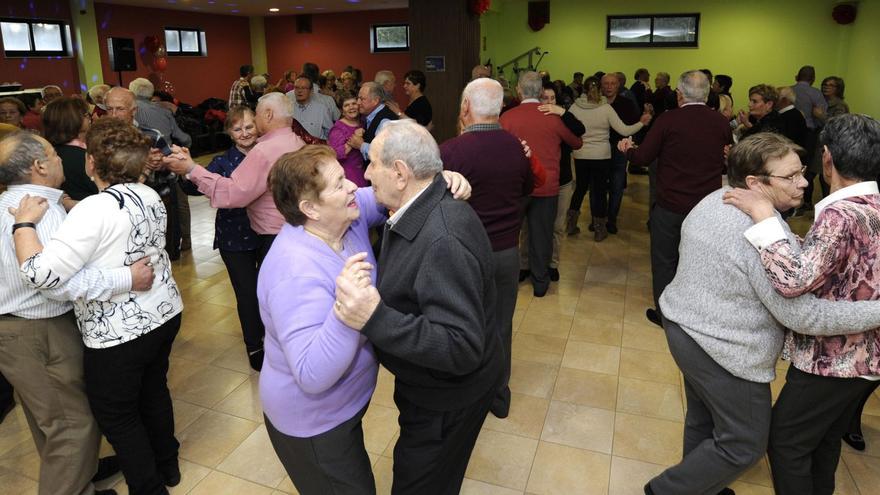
{"points": [[304, 23], [122, 55]]}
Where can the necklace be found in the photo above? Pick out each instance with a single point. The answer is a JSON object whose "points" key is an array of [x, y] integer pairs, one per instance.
{"points": [[328, 243]]}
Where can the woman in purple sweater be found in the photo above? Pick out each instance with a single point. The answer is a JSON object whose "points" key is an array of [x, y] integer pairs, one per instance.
{"points": [[318, 374]]}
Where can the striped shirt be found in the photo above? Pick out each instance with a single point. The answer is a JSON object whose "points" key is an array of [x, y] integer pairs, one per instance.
{"points": [[16, 298]]}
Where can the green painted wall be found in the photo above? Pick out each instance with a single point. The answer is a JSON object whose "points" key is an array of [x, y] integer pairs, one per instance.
{"points": [[84, 32], [259, 59], [754, 41], [863, 68]]}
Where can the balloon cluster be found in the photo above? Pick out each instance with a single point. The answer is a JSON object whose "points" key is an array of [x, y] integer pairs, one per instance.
{"points": [[159, 64]]}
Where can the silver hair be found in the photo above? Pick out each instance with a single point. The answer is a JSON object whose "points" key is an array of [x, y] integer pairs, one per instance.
{"points": [[258, 83], [280, 104], [411, 143], [142, 88], [694, 86], [486, 96], [788, 93], [383, 76], [98, 91], [530, 85], [16, 165], [375, 90]]}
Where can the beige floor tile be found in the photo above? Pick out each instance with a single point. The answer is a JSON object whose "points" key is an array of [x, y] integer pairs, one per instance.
{"points": [[645, 336], [212, 437], [244, 401], [658, 400], [474, 487], [502, 459], [559, 469], [608, 275], [27, 465], [599, 309], [629, 476], [555, 304], [587, 329], [604, 291], [384, 393], [844, 484], [871, 431], [209, 386], [17, 484], [865, 471], [742, 488], [205, 347], [579, 426], [526, 417], [380, 425], [657, 441], [586, 388], [185, 413], [587, 356], [530, 378], [383, 474], [190, 475], [544, 323], [255, 460], [218, 483], [235, 359], [759, 474], [538, 348], [647, 365]]}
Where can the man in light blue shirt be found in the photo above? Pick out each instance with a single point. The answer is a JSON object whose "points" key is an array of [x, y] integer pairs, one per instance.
{"points": [[311, 113], [370, 104]]}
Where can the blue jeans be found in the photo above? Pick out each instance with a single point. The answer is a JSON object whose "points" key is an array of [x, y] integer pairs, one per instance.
{"points": [[617, 184]]}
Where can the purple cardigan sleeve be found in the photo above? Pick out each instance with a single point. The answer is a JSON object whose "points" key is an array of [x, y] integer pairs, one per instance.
{"points": [[337, 139], [319, 348]]}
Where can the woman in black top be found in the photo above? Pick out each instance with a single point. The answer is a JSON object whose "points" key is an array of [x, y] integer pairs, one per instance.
{"points": [[65, 123], [419, 108]]}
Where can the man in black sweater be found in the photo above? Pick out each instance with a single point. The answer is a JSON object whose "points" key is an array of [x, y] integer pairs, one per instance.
{"points": [[431, 318]]}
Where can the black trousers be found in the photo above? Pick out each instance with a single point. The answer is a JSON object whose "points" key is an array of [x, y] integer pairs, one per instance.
{"points": [[665, 230], [809, 419], [127, 390], [434, 448], [855, 424], [506, 286], [266, 241], [582, 170], [243, 269], [600, 186], [6, 392], [333, 462]]}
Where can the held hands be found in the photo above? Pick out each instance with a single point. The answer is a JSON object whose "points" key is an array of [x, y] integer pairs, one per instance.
{"points": [[753, 203], [743, 118], [646, 118], [526, 149], [625, 144], [457, 185], [356, 297], [30, 209], [142, 275], [67, 202], [179, 161], [356, 140], [549, 109], [154, 162]]}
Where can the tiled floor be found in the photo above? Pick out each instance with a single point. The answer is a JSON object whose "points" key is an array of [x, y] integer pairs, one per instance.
{"points": [[597, 403]]}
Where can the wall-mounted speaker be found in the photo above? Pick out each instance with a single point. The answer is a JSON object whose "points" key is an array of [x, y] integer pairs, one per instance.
{"points": [[304, 24], [122, 55]]}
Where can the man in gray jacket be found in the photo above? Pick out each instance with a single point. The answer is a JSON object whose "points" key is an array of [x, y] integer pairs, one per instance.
{"points": [[725, 323]]}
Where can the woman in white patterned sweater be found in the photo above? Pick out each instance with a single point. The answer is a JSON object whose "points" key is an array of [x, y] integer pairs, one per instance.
{"points": [[128, 338]]}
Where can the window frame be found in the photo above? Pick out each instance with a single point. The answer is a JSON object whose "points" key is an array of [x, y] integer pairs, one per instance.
{"points": [[374, 41], [64, 32], [201, 39], [652, 43]]}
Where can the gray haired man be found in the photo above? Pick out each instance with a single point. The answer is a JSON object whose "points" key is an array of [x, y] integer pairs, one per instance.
{"points": [[431, 318]]}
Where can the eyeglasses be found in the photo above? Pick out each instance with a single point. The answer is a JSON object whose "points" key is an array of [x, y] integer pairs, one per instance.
{"points": [[792, 179]]}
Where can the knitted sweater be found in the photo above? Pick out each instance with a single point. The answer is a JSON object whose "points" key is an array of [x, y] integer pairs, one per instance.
{"points": [[598, 118], [723, 299]]}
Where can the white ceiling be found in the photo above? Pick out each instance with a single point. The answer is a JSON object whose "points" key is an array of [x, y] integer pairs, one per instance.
{"points": [[261, 7]]}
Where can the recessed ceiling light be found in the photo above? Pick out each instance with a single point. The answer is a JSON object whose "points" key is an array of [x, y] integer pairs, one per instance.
{"points": [[274, 9]]}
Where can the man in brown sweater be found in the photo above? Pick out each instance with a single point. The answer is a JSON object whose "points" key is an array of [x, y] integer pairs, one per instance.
{"points": [[689, 145]]}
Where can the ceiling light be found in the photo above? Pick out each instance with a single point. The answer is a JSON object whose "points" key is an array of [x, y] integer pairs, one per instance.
{"points": [[274, 9]]}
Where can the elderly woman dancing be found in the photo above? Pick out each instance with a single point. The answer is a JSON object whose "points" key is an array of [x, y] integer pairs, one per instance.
{"points": [[128, 338]]}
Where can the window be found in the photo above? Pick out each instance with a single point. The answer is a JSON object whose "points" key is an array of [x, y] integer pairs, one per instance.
{"points": [[35, 38], [185, 41], [668, 30], [389, 38]]}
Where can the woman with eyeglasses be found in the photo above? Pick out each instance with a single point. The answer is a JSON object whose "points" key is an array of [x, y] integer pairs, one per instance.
{"points": [[832, 90]]}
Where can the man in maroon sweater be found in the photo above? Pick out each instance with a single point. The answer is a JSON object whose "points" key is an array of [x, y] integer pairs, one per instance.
{"points": [[689, 145], [493, 162], [544, 134]]}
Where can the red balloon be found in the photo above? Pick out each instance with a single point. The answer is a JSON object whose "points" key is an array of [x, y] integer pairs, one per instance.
{"points": [[160, 64], [152, 43]]}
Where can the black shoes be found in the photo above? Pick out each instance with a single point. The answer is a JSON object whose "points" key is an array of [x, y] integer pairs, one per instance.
{"points": [[523, 275], [654, 317], [855, 441], [255, 358], [108, 491], [726, 491], [501, 404], [636, 170], [611, 228], [107, 467], [540, 290], [554, 274]]}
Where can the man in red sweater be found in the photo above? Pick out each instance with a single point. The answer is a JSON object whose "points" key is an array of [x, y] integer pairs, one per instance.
{"points": [[544, 134], [688, 144]]}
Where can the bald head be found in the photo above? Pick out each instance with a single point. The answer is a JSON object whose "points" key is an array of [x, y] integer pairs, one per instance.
{"points": [[121, 104], [481, 101]]}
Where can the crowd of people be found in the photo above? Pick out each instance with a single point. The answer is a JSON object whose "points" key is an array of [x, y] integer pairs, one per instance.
{"points": [[352, 238]]}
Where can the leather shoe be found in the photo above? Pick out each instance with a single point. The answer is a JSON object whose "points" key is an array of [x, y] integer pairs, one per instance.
{"points": [[654, 317], [255, 358], [855, 441], [611, 228], [523, 275], [540, 290], [727, 491], [6, 409], [554, 274], [107, 467]]}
